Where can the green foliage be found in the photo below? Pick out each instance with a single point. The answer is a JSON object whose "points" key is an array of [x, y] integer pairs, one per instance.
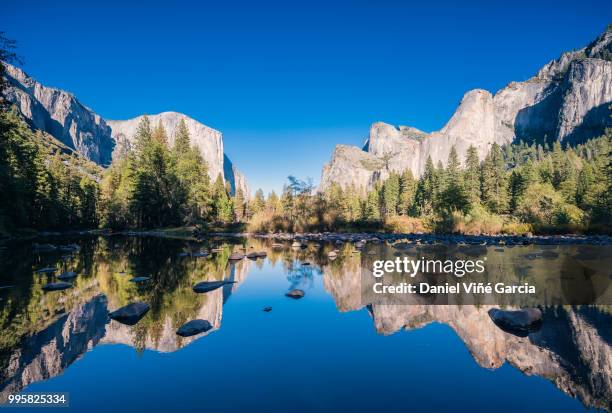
{"points": [[516, 189], [42, 184]]}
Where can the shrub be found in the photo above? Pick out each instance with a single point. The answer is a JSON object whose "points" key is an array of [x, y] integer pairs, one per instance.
{"points": [[477, 221], [403, 224]]}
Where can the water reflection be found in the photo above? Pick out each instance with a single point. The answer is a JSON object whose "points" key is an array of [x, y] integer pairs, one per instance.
{"points": [[43, 333]]}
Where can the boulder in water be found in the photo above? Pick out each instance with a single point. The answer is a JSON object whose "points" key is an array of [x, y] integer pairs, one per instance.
{"points": [[261, 254], [206, 286], [67, 275], [131, 313], [140, 279], [193, 327], [296, 293], [44, 247], [252, 255], [237, 256], [58, 286], [46, 270], [518, 322], [69, 247]]}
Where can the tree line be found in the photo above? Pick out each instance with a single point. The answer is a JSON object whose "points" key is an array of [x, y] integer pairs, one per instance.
{"points": [[45, 185], [516, 188]]}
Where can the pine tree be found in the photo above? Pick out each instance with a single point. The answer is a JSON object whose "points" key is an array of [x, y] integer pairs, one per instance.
{"points": [[222, 204], [159, 134], [471, 176], [258, 203], [372, 205], [494, 183], [426, 189], [408, 187], [239, 205], [452, 195], [391, 195]]}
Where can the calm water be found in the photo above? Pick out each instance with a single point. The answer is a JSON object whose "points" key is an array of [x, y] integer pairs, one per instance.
{"points": [[329, 351]]}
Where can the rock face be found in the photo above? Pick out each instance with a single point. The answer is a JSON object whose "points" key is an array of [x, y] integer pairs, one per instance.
{"points": [[60, 114], [209, 141], [568, 100]]}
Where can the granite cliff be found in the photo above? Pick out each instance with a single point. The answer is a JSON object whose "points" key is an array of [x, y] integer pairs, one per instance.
{"points": [[567, 100], [60, 114]]}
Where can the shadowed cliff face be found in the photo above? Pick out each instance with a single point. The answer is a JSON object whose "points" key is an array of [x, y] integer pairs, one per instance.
{"points": [[45, 333], [568, 100], [61, 115]]}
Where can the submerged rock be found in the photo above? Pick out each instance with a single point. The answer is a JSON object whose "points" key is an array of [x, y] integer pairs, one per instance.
{"points": [[267, 309], [140, 279], [44, 247], [519, 322], [67, 275], [46, 270], [130, 314], [237, 256], [296, 293], [69, 247], [261, 254], [193, 327], [206, 286], [252, 255], [58, 286]]}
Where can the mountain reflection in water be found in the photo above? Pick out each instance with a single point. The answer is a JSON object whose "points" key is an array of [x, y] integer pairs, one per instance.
{"points": [[44, 333]]}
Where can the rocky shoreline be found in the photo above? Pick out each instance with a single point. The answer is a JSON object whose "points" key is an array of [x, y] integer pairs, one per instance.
{"points": [[432, 238], [372, 237]]}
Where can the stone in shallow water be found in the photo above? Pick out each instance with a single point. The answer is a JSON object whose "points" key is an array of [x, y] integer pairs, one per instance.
{"points": [[237, 256], [193, 327], [252, 255], [67, 275], [206, 286], [518, 322], [140, 279], [131, 313], [58, 286], [261, 254], [296, 293]]}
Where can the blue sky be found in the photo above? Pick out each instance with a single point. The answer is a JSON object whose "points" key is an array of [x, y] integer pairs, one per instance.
{"points": [[286, 81]]}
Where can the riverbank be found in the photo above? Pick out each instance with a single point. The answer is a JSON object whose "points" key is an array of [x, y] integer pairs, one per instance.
{"points": [[433, 238], [196, 233]]}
